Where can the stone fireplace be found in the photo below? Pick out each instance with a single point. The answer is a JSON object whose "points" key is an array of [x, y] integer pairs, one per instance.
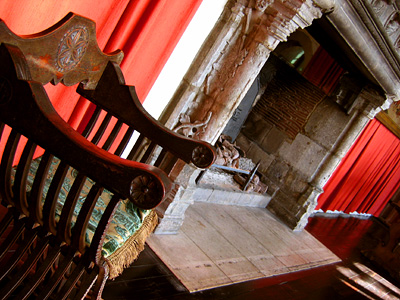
{"points": [[298, 131]]}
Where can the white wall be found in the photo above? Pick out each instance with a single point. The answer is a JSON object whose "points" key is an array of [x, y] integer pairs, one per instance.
{"points": [[181, 58], [183, 55]]}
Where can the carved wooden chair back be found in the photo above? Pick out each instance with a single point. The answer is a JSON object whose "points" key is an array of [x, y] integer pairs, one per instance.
{"points": [[45, 248]]}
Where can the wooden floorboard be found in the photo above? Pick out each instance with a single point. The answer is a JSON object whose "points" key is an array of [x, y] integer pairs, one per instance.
{"points": [[149, 278], [217, 245], [222, 244]]}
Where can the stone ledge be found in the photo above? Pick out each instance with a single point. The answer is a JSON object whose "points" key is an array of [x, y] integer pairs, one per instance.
{"points": [[173, 220], [169, 225], [238, 198]]}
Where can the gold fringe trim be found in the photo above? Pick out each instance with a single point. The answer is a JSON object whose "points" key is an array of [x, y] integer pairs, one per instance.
{"points": [[130, 250]]}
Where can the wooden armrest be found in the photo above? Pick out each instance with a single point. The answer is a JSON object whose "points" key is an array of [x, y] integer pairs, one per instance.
{"points": [[143, 184], [111, 94], [72, 55]]}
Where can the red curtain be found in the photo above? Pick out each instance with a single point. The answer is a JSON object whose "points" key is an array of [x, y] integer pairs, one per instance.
{"points": [[146, 30], [333, 231], [323, 71], [368, 175]]}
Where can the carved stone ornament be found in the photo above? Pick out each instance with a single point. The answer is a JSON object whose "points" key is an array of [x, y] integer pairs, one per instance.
{"points": [[71, 49], [227, 153], [261, 5], [192, 130], [378, 6], [144, 192], [5, 91], [392, 25]]}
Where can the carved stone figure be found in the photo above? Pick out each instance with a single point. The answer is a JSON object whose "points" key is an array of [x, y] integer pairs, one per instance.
{"points": [[227, 153], [192, 130], [393, 25], [378, 6]]}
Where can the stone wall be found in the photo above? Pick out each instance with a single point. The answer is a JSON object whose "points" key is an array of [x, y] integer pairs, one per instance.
{"points": [[296, 163], [289, 101], [298, 154], [227, 65]]}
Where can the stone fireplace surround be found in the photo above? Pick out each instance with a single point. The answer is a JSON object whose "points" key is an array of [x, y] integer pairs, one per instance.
{"points": [[233, 55]]}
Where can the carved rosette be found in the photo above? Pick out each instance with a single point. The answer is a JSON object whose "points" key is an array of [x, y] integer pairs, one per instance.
{"points": [[145, 192], [71, 49], [5, 91], [202, 157]]}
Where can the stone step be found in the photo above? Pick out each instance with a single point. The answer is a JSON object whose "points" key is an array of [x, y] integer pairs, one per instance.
{"points": [[230, 197]]}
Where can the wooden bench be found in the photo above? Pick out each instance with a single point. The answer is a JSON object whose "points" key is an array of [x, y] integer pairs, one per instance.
{"points": [[76, 213]]}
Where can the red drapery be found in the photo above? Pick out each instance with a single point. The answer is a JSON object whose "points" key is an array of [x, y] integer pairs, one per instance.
{"points": [[368, 175], [323, 71], [146, 30], [333, 231]]}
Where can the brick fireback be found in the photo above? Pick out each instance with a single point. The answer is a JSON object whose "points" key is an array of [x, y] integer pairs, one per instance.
{"points": [[288, 101]]}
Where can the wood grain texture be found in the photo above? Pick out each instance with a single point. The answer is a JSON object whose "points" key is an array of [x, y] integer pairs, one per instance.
{"points": [[222, 244]]}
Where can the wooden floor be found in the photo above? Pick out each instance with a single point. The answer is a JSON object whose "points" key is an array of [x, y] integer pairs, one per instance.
{"points": [[354, 278], [224, 244]]}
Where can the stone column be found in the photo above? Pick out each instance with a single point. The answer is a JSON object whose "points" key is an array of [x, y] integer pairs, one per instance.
{"points": [[230, 60], [368, 103]]}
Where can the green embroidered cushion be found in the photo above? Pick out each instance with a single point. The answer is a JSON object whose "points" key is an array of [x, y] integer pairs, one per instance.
{"points": [[127, 218]]}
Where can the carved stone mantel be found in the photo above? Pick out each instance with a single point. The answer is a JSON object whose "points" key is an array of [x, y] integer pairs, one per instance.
{"points": [[231, 58], [233, 55], [239, 45], [371, 30]]}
